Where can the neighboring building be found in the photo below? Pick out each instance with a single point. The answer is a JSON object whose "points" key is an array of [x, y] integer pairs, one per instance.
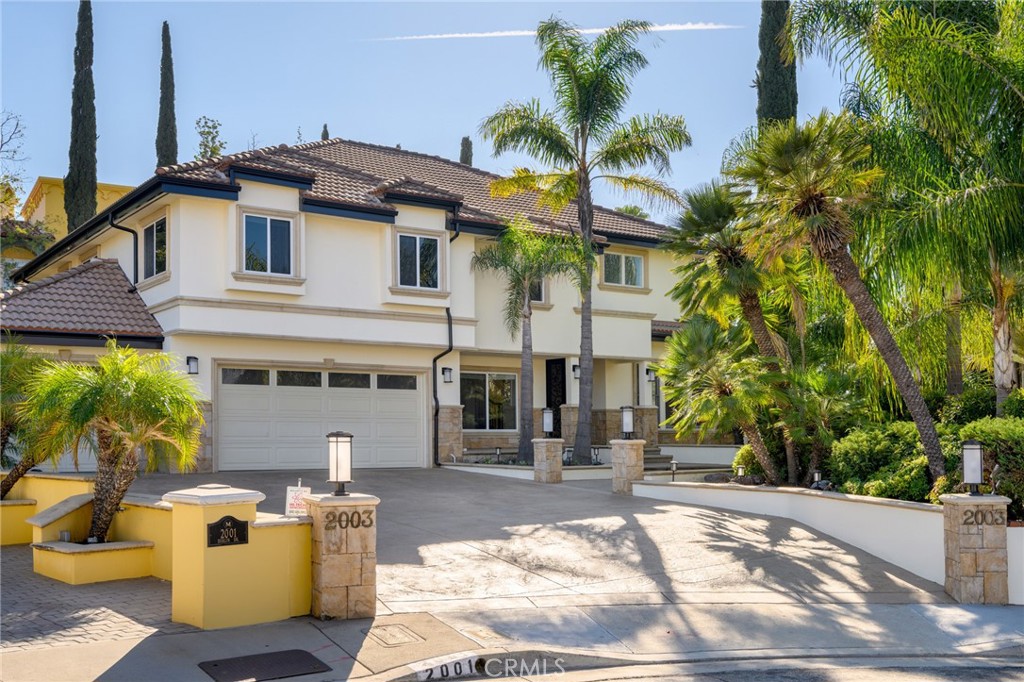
{"points": [[320, 287], [20, 242], [45, 203]]}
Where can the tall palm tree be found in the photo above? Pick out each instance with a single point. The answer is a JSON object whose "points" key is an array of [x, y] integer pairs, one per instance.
{"points": [[715, 387], [526, 258], [17, 366], [583, 140], [128, 402], [806, 182]]}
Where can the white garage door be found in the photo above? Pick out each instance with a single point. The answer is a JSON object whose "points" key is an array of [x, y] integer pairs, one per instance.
{"points": [[279, 418]]}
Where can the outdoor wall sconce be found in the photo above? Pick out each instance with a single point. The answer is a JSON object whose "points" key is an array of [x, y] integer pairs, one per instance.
{"points": [[339, 460], [192, 362], [675, 467], [627, 421], [740, 470], [548, 421], [972, 465], [651, 375], [575, 371], [446, 374]]}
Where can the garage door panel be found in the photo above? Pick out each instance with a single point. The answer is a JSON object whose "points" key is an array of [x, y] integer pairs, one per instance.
{"points": [[299, 457], [395, 456], [244, 428], [395, 429], [237, 402], [298, 404], [350, 405], [301, 429], [242, 457]]}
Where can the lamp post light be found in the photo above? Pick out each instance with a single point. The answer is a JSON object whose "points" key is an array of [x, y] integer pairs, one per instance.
{"points": [[339, 460], [627, 421], [817, 476], [446, 374], [972, 465], [548, 421], [740, 470], [675, 467]]}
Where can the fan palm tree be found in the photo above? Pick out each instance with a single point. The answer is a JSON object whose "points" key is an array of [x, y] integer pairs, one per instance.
{"points": [[715, 387], [526, 258], [129, 402], [17, 366], [583, 140], [806, 182]]}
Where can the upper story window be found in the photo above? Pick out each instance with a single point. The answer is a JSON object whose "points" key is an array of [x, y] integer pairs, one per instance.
{"points": [[418, 263], [154, 249], [537, 291], [624, 269], [268, 245]]}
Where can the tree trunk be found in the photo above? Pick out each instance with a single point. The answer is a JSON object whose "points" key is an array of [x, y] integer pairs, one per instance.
{"points": [[1002, 355], [115, 472], [582, 443], [526, 386], [954, 342], [817, 449], [771, 474], [847, 276], [17, 471]]}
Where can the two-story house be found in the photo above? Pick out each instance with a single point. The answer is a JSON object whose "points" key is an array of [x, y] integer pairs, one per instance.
{"points": [[328, 286]]}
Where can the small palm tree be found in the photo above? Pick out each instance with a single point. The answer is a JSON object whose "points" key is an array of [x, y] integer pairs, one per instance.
{"points": [[823, 404], [583, 140], [17, 365], [806, 182], [715, 387], [128, 402], [525, 258]]}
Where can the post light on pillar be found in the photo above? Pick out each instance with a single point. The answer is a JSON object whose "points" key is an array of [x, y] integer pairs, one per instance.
{"points": [[740, 470], [575, 371], [817, 476], [192, 362], [675, 467], [339, 460], [548, 421], [446, 374], [972, 465], [627, 421]]}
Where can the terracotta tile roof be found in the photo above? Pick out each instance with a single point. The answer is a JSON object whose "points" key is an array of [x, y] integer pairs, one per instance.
{"points": [[361, 174], [662, 329], [94, 298]]}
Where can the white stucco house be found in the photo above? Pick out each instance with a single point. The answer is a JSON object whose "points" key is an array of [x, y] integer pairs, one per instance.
{"points": [[328, 286]]}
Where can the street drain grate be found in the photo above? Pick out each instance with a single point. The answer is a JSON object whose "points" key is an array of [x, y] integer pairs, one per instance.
{"points": [[272, 666]]}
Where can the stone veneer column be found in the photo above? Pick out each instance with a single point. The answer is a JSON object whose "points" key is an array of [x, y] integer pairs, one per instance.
{"points": [[570, 416], [975, 542], [547, 460], [344, 555], [627, 465], [645, 421], [449, 433]]}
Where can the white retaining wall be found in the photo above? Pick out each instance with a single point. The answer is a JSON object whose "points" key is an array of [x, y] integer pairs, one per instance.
{"points": [[702, 454], [1015, 563]]}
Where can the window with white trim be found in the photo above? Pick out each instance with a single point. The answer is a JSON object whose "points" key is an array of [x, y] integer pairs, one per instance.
{"points": [[154, 249], [267, 244], [624, 269], [488, 401], [418, 262], [537, 291]]}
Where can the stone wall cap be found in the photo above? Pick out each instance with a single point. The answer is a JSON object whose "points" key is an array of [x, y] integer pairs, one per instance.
{"points": [[619, 441], [55, 476], [268, 520], [548, 440], [964, 498], [59, 510], [213, 494], [77, 548], [11, 502], [350, 500], [149, 501]]}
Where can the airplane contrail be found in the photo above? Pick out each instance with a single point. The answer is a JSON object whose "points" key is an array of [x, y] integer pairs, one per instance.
{"points": [[656, 28]]}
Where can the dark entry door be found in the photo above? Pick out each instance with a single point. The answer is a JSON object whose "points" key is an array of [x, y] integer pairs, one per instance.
{"points": [[554, 370]]}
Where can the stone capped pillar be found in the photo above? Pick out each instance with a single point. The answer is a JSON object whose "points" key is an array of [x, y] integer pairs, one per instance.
{"points": [[449, 433], [627, 465], [344, 555], [547, 460], [645, 421], [570, 416], [975, 541]]}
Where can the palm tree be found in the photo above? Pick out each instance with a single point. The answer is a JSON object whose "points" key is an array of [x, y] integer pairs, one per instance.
{"points": [[806, 182], [715, 387], [525, 258], [582, 140], [16, 368], [823, 402], [128, 402]]}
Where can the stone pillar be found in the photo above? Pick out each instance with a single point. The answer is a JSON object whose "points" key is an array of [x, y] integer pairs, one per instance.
{"points": [[210, 527], [975, 542], [344, 555], [645, 423], [570, 416], [547, 460], [449, 433], [627, 465]]}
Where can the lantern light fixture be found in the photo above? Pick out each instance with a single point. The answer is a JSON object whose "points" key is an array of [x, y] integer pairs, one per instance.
{"points": [[651, 375], [627, 421], [548, 421], [446, 374], [339, 460], [575, 371], [817, 476], [972, 454], [192, 363], [740, 470], [675, 467]]}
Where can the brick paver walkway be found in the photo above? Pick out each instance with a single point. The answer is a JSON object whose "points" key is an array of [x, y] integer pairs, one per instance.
{"points": [[37, 612]]}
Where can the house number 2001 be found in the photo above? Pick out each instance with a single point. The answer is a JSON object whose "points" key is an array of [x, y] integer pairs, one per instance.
{"points": [[983, 517], [352, 519]]}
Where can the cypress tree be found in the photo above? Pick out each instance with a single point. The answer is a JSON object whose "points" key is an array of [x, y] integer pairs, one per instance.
{"points": [[166, 126], [466, 153], [80, 183], [776, 81], [324, 135]]}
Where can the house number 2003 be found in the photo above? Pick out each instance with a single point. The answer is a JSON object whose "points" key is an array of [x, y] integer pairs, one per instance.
{"points": [[352, 519], [983, 517]]}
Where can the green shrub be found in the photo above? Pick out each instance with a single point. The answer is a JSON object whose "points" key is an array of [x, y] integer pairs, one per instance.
{"points": [[903, 480], [1003, 442], [1013, 406], [745, 457], [950, 483], [863, 452], [977, 401]]}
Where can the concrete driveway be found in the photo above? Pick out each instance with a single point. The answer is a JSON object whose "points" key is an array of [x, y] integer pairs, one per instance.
{"points": [[454, 541]]}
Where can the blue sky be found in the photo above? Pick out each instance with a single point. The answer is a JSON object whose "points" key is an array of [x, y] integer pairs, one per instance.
{"points": [[269, 68]]}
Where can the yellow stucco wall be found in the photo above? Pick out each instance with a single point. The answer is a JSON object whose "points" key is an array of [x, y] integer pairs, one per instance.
{"points": [[45, 202], [83, 568]]}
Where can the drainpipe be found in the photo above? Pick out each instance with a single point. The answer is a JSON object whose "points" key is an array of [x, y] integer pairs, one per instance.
{"points": [[433, 364], [135, 249]]}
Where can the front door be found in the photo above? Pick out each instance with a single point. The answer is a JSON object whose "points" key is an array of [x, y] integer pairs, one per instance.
{"points": [[555, 373]]}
